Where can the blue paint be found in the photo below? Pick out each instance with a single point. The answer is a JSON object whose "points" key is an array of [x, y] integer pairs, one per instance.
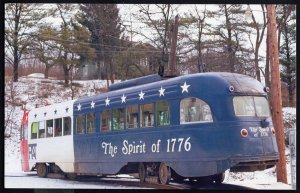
{"points": [[192, 150]]}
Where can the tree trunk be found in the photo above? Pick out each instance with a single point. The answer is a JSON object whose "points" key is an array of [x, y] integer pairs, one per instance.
{"points": [[16, 66], [46, 71], [229, 43], [112, 73], [256, 65], [257, 44], [267, 68], [66, 74], [16, 56]]}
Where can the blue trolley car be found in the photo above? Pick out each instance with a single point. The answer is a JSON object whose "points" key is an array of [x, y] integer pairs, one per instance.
{"points": [[193, 126]]}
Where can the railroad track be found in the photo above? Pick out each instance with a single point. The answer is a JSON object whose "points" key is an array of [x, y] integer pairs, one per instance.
{"points": [[134, 182]]}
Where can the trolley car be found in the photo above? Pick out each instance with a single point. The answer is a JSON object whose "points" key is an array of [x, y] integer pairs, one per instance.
{"points": [[193, 126]]}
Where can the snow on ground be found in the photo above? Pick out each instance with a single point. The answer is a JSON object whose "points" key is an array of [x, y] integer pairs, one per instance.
{"points": [[34, 182], [34, 89]]}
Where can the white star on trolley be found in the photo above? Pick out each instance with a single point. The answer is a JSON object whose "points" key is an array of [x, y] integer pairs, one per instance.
{"points": [[107, 101], [141, 95], [123, 98], [92, 105], [161, 91], [185, 87], [79, 107]]}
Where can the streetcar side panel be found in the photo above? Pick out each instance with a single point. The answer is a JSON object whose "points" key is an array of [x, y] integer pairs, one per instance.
{"points": [[50, 136]]}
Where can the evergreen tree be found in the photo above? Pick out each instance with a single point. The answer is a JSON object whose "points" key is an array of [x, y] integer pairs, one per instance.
{"points": [[288, 55], [103, 22], [69, 42], [229, 38]]}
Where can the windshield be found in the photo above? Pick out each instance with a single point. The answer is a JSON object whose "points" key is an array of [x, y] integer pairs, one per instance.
{"points": [[251, 106]]}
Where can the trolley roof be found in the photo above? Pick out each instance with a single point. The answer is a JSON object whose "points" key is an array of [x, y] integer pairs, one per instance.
{"points": [[211, 83]]}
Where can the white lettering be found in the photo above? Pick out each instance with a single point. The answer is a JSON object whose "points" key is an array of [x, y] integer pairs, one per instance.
{"points": [[172, 143], [155, 146], [109, 149], [132, 148]]}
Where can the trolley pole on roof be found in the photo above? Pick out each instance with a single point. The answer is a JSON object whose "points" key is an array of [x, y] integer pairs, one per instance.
{"points": [[172, 58], [276, 100]]}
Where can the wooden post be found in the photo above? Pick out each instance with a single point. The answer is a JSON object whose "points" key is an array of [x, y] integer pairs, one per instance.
{"points": [[276, 100]]}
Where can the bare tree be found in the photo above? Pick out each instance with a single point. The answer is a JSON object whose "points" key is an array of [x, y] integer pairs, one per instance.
{"points": [[159, 18], [20, 18], [260, 29], [11, 103]]}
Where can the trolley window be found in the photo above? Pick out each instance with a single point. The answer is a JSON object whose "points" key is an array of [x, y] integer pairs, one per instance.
{"points": [[132, 116], [80, 122], [49, 128], [147, 117], [90, 122], [262, 107], [194, 110], [105, 120], [118, 119], [41, 129], [162, 113], [67, 125], [58, 127], [251, 106], [34, 130]]}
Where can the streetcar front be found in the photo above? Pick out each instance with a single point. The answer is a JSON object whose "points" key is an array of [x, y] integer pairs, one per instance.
{"points": [[24, 142], [253, 144]]}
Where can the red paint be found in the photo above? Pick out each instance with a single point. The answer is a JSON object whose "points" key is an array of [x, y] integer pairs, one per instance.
{"points": [[24, 144], [24, 156], [244, 133]]}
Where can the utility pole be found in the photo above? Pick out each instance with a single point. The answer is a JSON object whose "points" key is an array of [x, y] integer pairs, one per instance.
{"points": [[276, 100], [172, 58]]}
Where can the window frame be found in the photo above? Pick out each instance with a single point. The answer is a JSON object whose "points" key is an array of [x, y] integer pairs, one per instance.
{"points": [[253, 103], [157, 114], [132, 117], [84, 123], [70, 126], [151, 116], [119, 116], [55, 126], [107, 120], [51, 128], [31, 130], [44, 129], [94, 123], [204, 103]]}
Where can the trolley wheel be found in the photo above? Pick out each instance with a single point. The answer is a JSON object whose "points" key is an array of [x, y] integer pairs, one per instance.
{"points": [[142, 172], [219, 178], [164, 173], [42, 170]]}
